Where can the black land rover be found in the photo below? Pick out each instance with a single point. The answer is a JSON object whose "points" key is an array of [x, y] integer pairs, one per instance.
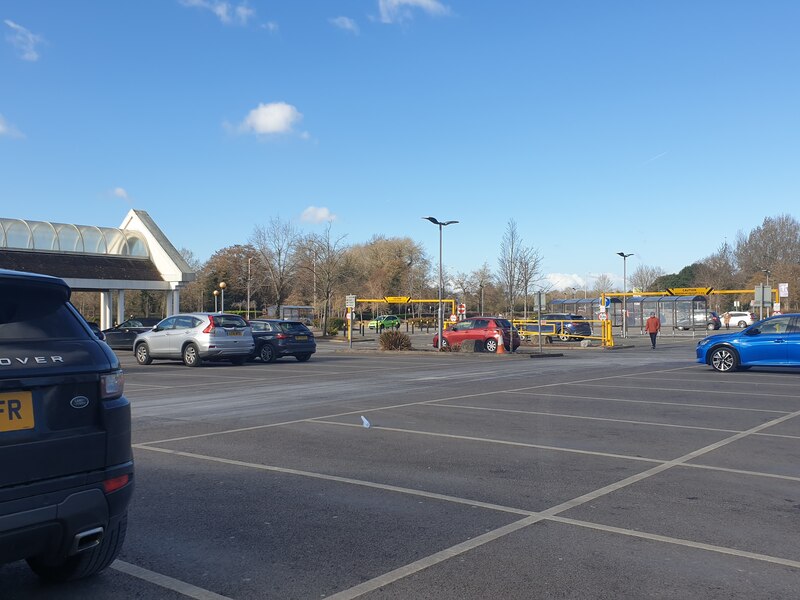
{"points": [[66, 466]]}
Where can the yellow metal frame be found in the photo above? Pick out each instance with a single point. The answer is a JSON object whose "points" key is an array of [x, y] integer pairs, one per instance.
{"points": [[605, 337], [399, 300]]}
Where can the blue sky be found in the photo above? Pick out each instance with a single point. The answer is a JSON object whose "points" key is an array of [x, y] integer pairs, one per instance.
{"points": [[654, 128]]}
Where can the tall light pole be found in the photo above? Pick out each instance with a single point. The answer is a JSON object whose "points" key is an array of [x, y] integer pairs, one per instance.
{"points": [[249, 260], [441, 224], [216, 295], [222, 286], [624, 292], [767, 272]]}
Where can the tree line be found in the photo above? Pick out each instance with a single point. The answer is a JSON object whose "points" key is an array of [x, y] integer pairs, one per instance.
{"points": [[280, 265]]}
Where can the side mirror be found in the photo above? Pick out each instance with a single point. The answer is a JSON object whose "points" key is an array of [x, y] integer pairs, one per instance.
{"points": [[156, 328]]}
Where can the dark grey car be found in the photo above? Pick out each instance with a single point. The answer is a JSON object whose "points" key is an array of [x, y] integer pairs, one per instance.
{"points": [[65, 434], [120, 337], [275, 338]]}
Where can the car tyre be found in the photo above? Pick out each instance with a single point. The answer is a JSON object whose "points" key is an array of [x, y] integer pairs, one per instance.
{"points": [[563, 336], [303, 357], [724, 359], [742, 324], [85, 563], [444, 343], [710, 327], [268, 354], [490, 345], [143, 354], [191, 356]]}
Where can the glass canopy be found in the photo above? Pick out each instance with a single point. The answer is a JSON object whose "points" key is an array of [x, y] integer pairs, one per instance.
{"points": [[61, 237]]}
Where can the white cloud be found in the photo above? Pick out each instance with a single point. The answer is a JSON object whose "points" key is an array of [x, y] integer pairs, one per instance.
{"points": [[271, 119], [270, 26], [317, 214], [395, 11], [24, 41], [345, 23], [8, 130], [121, 193], [226, 12], [563, 281]]}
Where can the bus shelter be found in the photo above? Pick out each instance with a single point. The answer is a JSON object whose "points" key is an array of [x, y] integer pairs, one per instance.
{"points": [[677, 312]]}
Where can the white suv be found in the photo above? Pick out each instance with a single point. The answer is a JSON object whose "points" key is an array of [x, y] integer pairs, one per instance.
{"points": [[739, 318], [195, 337]]}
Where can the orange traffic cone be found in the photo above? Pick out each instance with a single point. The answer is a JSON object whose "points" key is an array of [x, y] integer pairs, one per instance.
{"points": [[501, 347]]}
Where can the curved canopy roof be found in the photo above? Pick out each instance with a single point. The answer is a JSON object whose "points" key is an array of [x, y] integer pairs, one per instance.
{"points": [[62, 237]]}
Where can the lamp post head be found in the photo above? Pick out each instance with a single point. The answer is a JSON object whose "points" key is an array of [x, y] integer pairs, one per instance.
{"points": [[215, 292], [222, 285], [436, 221], [623, 255]]}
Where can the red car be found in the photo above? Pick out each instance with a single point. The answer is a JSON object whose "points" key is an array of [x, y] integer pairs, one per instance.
{"points": [[484, 329]]}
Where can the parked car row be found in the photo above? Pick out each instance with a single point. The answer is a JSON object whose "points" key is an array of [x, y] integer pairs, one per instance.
{"points": [[195, 338]]}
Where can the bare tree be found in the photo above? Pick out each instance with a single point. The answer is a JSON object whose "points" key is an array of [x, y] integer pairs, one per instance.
{"points": [[644, 277], [276, 244], [602, 284], [325, 258], [529, 270], [483, 278], [776, 240], [508, 264]]}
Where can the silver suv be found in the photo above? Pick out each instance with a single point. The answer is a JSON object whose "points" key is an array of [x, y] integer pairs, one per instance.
{"points": [[195, 337]]}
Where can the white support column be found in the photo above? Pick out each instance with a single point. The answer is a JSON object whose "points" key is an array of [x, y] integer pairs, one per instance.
{"points": [[120, 306], [176, 300], [105, 309], [169, 308]]}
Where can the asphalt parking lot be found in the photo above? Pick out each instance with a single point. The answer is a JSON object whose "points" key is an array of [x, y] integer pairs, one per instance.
{"points": [[595, 474]]}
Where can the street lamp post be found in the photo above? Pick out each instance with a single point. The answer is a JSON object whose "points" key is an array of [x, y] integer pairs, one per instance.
{"points": [[216, 295], [441, 224], [222, 286], [767, 272], [624, 292], [249, 260]]}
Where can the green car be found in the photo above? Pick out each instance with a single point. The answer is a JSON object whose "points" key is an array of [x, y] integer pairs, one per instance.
{"points": [[384, 322]]}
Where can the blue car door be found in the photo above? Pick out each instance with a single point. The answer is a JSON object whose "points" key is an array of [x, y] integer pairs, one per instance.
{"points": [[793, 343], [767, 343]]}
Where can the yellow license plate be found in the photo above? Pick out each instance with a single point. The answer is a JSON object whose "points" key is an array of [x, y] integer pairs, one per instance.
{"points": [[234, 333], [16, 411], [301, 338]]}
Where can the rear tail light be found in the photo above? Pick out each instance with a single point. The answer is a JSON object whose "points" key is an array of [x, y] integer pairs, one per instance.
{"points": [[111, 385], [281, 336], [115, 483], [211, 325]]}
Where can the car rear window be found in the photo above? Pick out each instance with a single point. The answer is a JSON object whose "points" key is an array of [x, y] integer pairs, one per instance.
{"points": [[293, 327], [28, 315], [229, 321]]}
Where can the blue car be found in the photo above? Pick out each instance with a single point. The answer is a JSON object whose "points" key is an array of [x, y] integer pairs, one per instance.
{"points": [[773, 342]]}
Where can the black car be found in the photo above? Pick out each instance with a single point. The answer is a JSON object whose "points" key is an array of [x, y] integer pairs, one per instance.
{"points": [[698, 320], [65, 434], [275, 338], [121, 336], [568, 326]]}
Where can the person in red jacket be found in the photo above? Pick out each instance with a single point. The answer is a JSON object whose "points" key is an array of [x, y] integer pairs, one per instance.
{"points": [[653, 326]]}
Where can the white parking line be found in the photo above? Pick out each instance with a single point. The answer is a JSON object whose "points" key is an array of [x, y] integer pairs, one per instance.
{"points": [[568, 416], [164, 581], [429, 561], [691, 391], [690, 404]]}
